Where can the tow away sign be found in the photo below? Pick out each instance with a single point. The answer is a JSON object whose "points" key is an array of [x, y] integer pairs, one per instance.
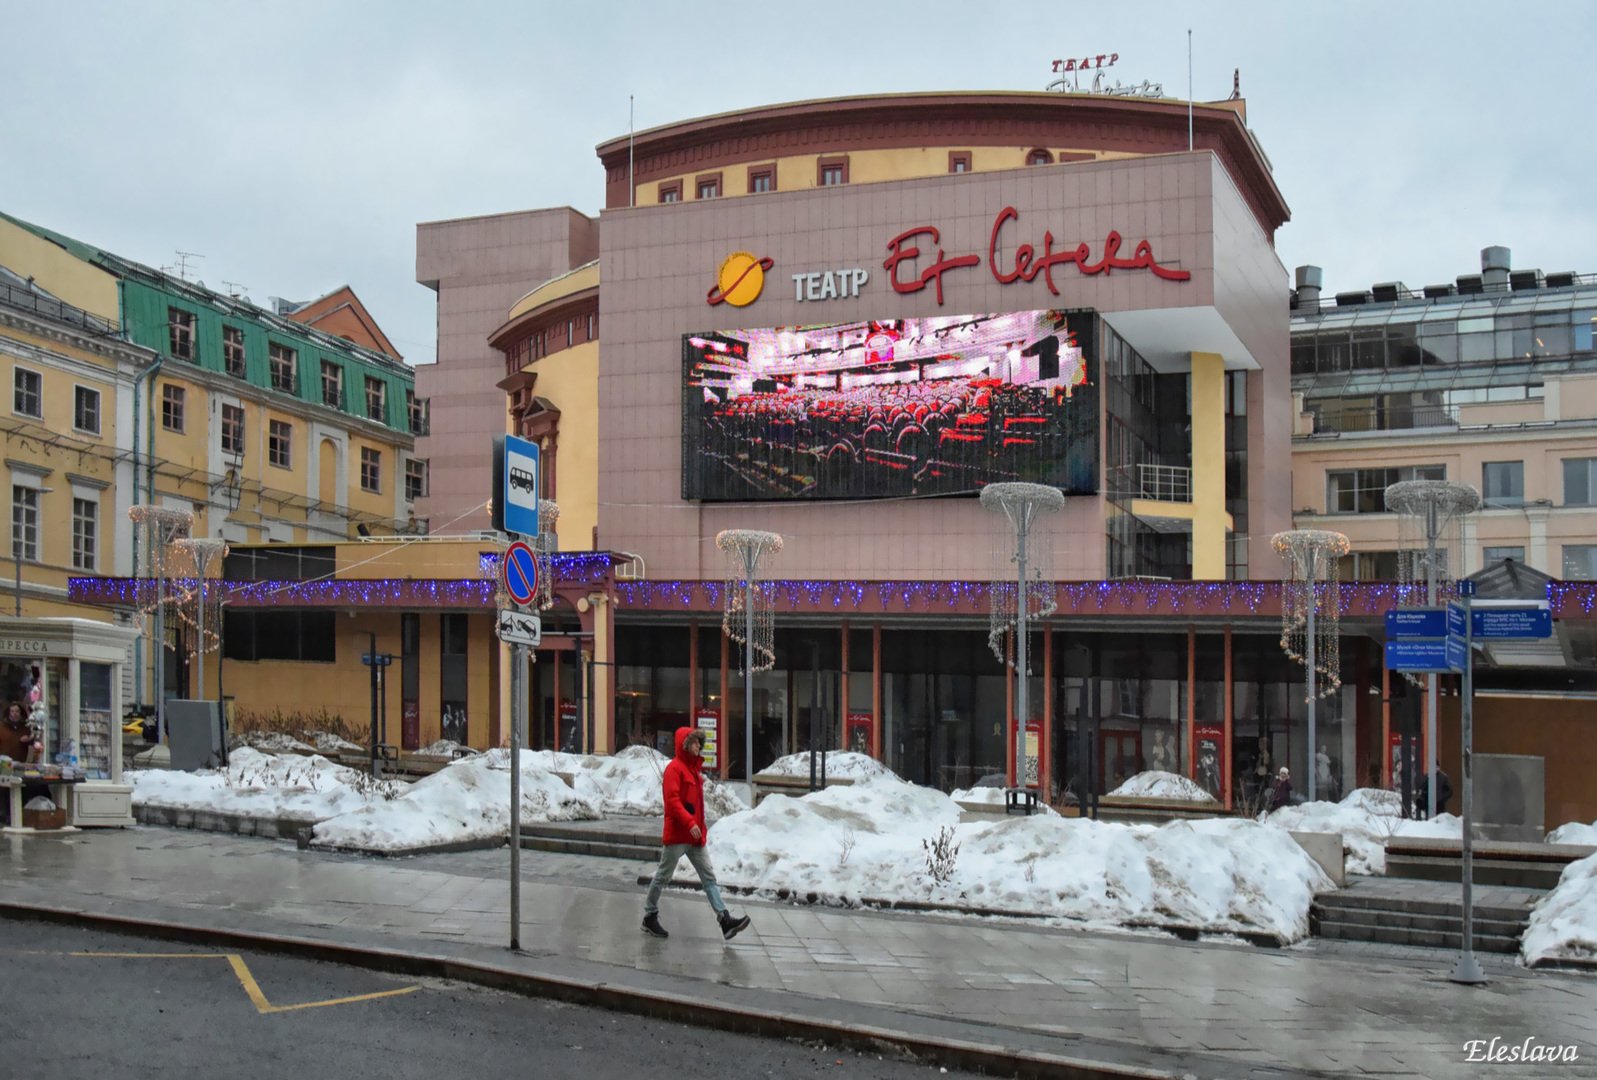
{"points": [[519, 628]]}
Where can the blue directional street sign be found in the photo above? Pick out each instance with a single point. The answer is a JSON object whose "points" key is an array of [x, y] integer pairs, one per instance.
{"points": [[1455, 652], [1455, 619], [1403, 624], [1515, 622], [1417, 656]]}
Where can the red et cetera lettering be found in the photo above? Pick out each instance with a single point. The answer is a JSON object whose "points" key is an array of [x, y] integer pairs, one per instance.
{"points": [[1027, 263]]}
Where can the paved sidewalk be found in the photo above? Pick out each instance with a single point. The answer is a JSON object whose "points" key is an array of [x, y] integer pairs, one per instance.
{"points": [[1213, 1009]]}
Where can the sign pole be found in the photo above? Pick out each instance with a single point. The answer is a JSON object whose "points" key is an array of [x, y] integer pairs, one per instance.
{"points": [[1467, 970], [517, 655], [1314, 689]]}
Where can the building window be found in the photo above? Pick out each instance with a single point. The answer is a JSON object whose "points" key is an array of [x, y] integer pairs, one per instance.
{"points": [[27, 397], [280, 444], [1498, 554], [591, 327], [180, 332], [232, 429], [1369, 566], [1580, 481], [86, 409], [571, 332], [762, 178], [85, 524], [415, 479], [172, 407], [233, 352], [279, 635], [371, 469], [671, 191], [831, 171], [376, 399], [1363, 491], [1580, 562], [24, 523], [708, 187], [283, 362], [417, 409], [332, 384], [959, 161], [1039, 157], [1503, 483]]}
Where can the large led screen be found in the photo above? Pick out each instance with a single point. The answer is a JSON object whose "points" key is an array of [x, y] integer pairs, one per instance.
{"points": [[936, 406]]}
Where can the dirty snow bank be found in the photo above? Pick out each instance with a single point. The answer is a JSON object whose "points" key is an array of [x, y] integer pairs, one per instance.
{"points": [[1574, 832], [842, 764], [865, 842], [1366, 818], [1162, 785], [294, 786], [1563, 925]]}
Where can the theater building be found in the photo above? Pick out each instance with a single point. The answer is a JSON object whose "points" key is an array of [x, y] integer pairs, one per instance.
{"points": [[838, 320]]}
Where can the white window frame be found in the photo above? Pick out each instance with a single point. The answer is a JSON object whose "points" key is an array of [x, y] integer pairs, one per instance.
{"points": [[99, 398], [243, 426], [85, 550], [17, 371], [376, 488], [288, 444], [19, 533]]}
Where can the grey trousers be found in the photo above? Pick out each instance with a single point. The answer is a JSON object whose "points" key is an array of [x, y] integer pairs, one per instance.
{"points": [[670, 855]]}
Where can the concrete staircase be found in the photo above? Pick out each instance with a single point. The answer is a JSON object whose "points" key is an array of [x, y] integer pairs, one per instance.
{"points": [[615, 838], [1423, 913]]}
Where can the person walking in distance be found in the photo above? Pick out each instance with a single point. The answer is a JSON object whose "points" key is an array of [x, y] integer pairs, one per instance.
{"points": [[685, 833]]}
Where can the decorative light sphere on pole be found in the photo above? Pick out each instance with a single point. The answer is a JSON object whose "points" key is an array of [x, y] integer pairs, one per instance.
{"points": [[748, 617], [1311, 617]]}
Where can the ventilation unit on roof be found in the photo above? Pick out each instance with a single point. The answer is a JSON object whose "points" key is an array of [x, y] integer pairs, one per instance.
{"points": [[1470, 285], [1561, 280], [1352, 299], [1388, 291], [1525, 280], [1437, 292]]}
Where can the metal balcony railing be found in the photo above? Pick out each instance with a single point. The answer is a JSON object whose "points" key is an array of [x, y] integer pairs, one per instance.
{"points": [[1165, 483], [1342, 421]]}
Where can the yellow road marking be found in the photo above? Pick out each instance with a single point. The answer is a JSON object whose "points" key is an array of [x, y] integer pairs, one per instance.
{"points": [[247, 980]]}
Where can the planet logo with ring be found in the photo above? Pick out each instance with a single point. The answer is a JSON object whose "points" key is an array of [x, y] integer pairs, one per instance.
{"points": [[740, 280]]}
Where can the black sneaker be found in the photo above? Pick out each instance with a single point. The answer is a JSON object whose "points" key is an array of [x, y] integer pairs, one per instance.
{"points": [[652, 927], [731, 927]]}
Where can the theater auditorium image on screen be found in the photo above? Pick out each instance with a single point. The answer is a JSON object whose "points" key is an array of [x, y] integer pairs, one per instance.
{"points": [[935, 406]]}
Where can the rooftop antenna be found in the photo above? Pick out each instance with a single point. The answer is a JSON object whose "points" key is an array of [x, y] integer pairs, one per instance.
{"points": [[183, 258], [235, 289], [1189, 89], [632, 190]]}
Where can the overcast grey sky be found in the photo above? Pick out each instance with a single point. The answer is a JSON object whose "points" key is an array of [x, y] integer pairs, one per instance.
{"points": [[296, 145]]}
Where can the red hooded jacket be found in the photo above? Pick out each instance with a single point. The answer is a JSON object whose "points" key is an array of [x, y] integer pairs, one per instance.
{"points": [[682, 789]]}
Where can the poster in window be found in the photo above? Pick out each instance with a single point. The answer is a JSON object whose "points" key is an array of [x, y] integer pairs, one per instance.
{"points": [[453, 722], [709, 722], [859, 732], [570, 728], [1211, 759], [410, 724]]}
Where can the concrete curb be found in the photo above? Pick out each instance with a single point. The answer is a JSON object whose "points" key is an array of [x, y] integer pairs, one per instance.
{"points": [[935, 1049], [487, 843], [930, 907], [219, 822]]}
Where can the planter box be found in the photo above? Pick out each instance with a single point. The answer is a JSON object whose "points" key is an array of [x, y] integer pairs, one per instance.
{"points": [[44, 819]]}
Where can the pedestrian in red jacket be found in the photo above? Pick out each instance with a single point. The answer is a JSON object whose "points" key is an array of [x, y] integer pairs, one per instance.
{"points": [[682, 791]]}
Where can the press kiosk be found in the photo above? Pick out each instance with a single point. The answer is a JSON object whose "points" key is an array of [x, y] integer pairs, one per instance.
{"points": [[66, 674]]}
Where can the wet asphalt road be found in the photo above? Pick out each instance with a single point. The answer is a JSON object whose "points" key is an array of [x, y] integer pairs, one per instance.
{"points": [[162, 1017]]}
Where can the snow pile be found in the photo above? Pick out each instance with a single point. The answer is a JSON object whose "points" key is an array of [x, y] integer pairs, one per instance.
{"points": [[444, 748], [328, 743], [629, 782], [844, 764], [275, 742], [1564, 924], [990, 796], [1366, 818], [1574, 833], [1162, 785], [258, 785], [465, 801], [865, 842]]}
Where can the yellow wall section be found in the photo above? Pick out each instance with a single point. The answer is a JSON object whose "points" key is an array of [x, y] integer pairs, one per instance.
{"points": [[570, 379], [583, 277], [864, 167], [343, 688], [63, 275], [1208, 467]]}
